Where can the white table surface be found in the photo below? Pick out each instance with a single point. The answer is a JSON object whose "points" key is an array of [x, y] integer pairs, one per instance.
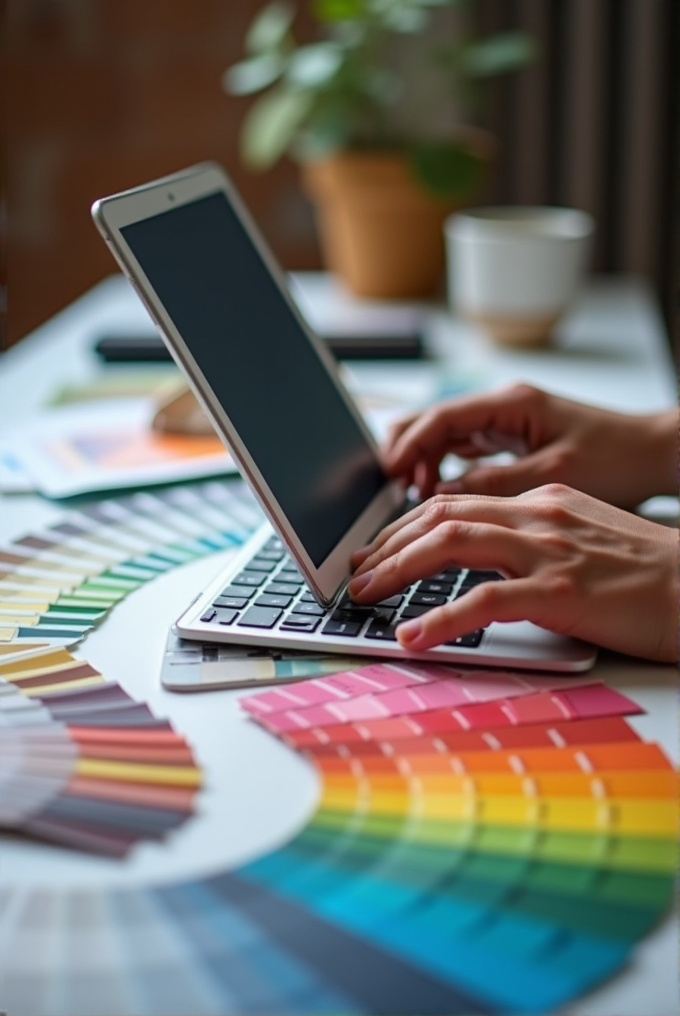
{"points": [[611, 351]]}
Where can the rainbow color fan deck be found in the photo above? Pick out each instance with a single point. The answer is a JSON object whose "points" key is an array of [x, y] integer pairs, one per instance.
{"points": [[528, 833]]}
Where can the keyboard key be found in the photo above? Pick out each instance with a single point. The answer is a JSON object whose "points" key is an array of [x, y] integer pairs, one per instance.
{"points": [[362, 614], [350, 629], [209, 615], [462, 590], [248, 578], [271, 555], [470, 640], [282, 589], [435, 587], [308, 598], [260, 617], [261, 565], [428, 599], [383, 614], [383, 632], [226, 616], [391, 601], [298, 622], [291, 569], [446, 575], [474, 578], [415, 610], [243, 592], [232, 601], [292, 578], [268, 600], [309, 608]]}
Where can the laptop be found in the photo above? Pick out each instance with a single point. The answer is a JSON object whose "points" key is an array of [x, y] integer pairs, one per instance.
{"points": [[199, 264]]}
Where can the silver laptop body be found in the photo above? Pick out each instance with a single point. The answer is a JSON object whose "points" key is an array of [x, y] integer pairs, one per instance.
{"points": [[199, 264]]}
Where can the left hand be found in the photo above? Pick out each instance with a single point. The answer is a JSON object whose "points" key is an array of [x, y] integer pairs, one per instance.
{"points": [[573, 565]]}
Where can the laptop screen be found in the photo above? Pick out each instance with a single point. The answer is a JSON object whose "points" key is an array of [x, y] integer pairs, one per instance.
{"points": [[273, 386]]}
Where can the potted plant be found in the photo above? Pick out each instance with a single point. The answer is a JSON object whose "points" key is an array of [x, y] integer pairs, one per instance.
{"points": [[372, 111]]}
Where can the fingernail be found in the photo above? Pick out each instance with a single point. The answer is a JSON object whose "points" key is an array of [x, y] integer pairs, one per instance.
{"points": [[359, 583], [410, 633]]}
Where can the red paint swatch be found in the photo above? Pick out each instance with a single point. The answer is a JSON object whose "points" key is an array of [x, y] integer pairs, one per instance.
{"points": [[540, 735]]}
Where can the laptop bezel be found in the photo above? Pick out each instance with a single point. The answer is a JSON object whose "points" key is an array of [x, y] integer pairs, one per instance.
{"points": [[111, 215]]}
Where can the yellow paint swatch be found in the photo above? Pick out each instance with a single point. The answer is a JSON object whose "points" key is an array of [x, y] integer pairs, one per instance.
{"points": [[82, 682], [39, 663], [9, 606], [181, 776], [21, 649]]}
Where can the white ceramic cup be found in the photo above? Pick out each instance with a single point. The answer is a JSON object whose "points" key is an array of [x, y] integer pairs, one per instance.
{"points": [[514, 270]]}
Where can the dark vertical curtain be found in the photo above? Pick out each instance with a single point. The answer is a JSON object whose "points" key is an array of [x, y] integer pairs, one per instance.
{"points": [[593, 123]]}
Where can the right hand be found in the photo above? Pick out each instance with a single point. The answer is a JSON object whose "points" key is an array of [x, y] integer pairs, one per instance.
{"points": [[614, 457], [572, 564]]}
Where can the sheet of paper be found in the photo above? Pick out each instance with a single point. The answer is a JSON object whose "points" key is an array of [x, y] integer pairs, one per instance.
{"points": [[107, 444]]}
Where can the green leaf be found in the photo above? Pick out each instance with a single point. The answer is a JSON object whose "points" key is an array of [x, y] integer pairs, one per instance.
{"points": [[270, 27], [407, 20], [497, 54], [314, 65], [328, 126], [446, 170], [320, 140], [338, 10], [271, 126], [254, 74]]}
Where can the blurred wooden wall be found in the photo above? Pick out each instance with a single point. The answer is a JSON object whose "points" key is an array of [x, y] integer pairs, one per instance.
{"points": [[104, 94]]}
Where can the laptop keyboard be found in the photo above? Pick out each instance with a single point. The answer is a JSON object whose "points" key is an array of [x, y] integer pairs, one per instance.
{"points": [[270, 593]]}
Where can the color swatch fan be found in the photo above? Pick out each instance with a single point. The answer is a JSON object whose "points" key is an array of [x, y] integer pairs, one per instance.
{"points": [[58, 583], [82, 763], [512, 843], [499, 855]]}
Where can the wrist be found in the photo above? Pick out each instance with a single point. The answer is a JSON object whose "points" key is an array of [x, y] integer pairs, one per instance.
{"points": [[670, 645], [660, 470]]}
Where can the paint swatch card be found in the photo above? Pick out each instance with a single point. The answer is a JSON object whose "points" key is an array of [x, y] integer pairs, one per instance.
{"points": [[102, 445], [204, 666], [426, 702]]}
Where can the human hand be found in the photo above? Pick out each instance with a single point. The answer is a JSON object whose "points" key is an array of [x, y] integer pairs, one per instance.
{"points": [[572, 564], [617, 458]]}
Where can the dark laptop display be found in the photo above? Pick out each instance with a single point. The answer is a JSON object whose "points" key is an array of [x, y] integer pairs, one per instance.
{"points": [[262, 367]]}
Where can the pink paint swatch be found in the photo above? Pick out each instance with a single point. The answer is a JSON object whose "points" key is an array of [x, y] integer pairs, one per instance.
{"points": [[349, 684], [600, 701], [448, 686], [592, 700]]}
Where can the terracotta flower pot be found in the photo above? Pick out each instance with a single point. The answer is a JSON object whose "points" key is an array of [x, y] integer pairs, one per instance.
{"points": [[380, 231]]}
